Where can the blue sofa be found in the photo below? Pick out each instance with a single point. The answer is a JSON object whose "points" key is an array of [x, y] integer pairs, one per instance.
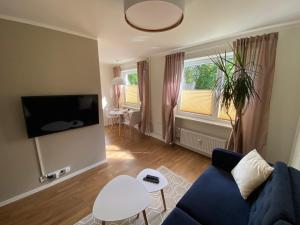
{"points": [[214, 199]]}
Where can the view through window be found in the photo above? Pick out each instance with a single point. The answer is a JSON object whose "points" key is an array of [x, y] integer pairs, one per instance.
{"points": [[197, 90], [131, 93]]}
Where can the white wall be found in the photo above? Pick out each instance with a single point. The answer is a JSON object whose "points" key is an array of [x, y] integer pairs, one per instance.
{"points": [[284, 102], [106, 76], [157, 65], [295, 155], [285, 107]]}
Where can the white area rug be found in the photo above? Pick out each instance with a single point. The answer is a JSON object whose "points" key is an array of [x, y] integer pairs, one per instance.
{"points": [[173, 192]]}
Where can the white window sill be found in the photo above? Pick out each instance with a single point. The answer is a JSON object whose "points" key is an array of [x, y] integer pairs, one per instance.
{"points": [[210, 122], [136, 107]]}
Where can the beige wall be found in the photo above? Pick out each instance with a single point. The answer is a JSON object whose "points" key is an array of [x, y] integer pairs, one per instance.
{"points": [[284, 103], [106, 76], [285, 107], [38, 61], [157, 65], [295, 154]]}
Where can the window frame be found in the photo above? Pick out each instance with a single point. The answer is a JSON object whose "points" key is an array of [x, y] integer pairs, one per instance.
{"points": [[215, 103], [124, 74]]}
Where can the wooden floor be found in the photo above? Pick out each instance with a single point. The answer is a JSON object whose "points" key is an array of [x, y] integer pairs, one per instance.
{"points": [[69, 201]]}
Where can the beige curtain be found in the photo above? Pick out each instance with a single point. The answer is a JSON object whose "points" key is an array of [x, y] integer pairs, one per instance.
{"points": [[116, 88], [144, 93], [174, 66], [260, 53]]}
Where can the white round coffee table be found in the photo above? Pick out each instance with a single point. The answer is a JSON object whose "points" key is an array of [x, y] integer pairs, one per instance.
{"points": [[152, 187], [122, 198]]}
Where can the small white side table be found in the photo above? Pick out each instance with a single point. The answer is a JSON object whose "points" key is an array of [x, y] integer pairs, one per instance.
{"points": [[122, 198], [152, 187]]}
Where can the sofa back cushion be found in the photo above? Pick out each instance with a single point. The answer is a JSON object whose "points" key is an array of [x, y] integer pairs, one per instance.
{"points": [[274, 202], [295, 181]]}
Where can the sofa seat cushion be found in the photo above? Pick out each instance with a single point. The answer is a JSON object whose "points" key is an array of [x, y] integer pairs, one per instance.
{"points": [[179, 217], [215, 199]]}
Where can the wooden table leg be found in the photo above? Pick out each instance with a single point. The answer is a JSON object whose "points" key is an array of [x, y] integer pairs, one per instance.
{"points": [[145, 217], [103, 222], [119, 125], [163, 198]]}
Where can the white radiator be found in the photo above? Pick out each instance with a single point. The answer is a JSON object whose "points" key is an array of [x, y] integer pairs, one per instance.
{"points": [[199, 142]]}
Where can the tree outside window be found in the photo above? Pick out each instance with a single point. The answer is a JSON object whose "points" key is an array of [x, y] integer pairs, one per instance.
{"points": [[197, 90]]}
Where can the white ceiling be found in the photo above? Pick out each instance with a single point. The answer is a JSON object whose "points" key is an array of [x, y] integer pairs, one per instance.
{"points": [[104, 19]]}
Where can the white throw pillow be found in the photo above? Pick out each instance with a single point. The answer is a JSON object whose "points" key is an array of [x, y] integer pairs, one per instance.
{"points": [[250, 172]]}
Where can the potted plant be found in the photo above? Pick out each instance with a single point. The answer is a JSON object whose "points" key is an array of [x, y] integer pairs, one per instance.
{"points": [[236, 87]]}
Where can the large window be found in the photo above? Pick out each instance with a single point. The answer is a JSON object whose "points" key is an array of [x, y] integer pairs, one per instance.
{"points": [[197, 97], [131, 92]]}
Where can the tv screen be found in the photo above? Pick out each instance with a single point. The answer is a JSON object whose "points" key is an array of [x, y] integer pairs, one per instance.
{"points": [[50, 114]]}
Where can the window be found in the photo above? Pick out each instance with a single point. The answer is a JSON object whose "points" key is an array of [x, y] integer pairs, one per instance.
{"points": [[197, 96], [131, 91]]}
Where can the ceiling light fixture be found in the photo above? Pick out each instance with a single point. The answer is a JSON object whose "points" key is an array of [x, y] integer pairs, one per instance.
{"points": [[154, 15]]}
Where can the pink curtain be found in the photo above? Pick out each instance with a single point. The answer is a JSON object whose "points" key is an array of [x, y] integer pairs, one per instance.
{"points": [[144, 93], [174, 66], [252, 129], [116, 88]]}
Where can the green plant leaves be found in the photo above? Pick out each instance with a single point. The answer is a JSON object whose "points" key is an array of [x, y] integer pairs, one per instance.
{"points": [[237, 84]]}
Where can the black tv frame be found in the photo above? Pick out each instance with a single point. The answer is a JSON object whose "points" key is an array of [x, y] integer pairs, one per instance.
{"points": [[29, 135]]}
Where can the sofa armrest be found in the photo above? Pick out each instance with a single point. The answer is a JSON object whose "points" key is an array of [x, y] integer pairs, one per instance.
{"points": [[225, 159]]}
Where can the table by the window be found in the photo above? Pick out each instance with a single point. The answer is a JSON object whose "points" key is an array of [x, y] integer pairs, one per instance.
{"points": [[119, 113]]}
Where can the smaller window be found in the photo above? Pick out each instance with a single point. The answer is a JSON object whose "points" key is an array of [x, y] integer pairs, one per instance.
{"points": [[131, 91]]}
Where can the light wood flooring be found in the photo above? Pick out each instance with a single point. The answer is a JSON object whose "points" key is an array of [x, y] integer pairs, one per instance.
{"points": [[71, 200]]}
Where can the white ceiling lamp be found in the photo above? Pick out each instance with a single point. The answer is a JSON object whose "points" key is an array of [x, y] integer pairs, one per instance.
{"points": [[154, 15]]}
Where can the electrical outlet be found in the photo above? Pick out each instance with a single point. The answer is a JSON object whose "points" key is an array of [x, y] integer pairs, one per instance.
{"points": [[42, 179], [68, 169], [55, 175], [63, 171]]}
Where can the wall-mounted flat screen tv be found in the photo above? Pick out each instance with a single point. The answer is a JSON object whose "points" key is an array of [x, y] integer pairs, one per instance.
{"points": [[51, 114]]}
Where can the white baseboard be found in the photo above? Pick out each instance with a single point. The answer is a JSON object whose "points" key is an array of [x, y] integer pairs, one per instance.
{"points": [[157, 136], [43, 187]]}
